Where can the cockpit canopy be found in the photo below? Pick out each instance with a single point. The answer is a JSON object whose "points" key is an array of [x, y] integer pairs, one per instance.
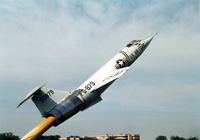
{"points": [[134, 42]]}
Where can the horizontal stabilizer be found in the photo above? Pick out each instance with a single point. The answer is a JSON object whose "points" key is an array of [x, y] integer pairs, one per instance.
{"points": [[30, 94]]}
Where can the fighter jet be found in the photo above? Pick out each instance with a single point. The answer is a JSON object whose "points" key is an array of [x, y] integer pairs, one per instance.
{"points": [[57, 106]]}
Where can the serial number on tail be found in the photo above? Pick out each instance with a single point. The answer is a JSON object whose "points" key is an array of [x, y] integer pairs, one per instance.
{"points": [[46, 96]]}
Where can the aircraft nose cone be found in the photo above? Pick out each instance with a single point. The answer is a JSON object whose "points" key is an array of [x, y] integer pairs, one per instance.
{"points": [[148, 40]]}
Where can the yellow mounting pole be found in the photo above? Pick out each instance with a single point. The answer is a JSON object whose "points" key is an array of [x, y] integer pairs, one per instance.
{"points": [[40, 128]]}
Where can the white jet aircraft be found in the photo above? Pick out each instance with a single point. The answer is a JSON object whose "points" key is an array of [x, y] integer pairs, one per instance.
{"points": [[57, 106]]}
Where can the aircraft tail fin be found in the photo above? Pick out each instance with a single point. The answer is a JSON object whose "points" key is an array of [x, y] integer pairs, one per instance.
{"points": [[45, 98]]}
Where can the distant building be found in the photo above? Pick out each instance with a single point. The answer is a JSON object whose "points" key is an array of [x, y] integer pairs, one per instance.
{"points": [[105, 137]]}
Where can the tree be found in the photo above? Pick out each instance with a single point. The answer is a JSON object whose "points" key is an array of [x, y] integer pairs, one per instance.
{"points": [[161, 138], [193, 138], [177, 138], [182, 138], [8, 136]]}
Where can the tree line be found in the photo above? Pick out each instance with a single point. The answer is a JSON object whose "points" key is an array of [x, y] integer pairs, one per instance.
{"points": [[176, 138], [11, 136]]}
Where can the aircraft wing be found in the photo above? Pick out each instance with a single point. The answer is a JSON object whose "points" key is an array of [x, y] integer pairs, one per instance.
{"points": [[111, 77]]}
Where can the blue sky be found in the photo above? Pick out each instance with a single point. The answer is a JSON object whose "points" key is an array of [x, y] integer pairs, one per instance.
{"points": [[61, 43]]}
